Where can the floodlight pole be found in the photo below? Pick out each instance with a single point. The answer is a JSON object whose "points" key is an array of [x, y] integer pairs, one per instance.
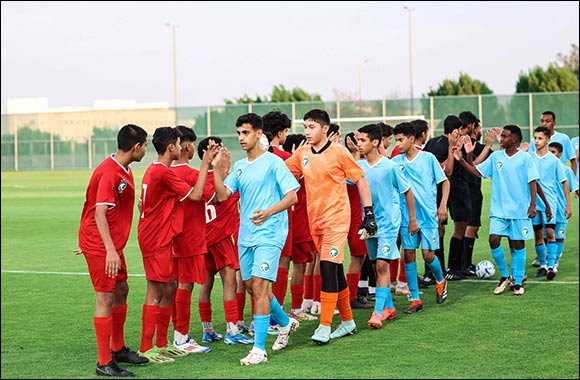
{"points": [[173, 26], [360, 79], [410, 10]]}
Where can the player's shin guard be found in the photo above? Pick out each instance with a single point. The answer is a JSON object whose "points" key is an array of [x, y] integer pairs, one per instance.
{"points": [[412, 280], [277, 313], [552, 248], [435, 267], [518, 265], [119, 314], [499, 258]]}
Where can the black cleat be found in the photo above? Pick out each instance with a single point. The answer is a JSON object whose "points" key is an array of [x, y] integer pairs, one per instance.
{"points": [[360, 303], [542, 272], [551, 274], [415, 307], [112, 369], [125, 355], [454, 276]]}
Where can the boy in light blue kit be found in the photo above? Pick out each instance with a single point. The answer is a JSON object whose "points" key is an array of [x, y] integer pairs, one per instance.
{"points": [[513, 202]]}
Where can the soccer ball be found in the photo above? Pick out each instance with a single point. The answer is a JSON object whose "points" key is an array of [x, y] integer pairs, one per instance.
{"points": [[485, 269]]}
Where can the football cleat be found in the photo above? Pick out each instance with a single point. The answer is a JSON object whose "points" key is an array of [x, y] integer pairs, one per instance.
{"points": [[345, 328]]}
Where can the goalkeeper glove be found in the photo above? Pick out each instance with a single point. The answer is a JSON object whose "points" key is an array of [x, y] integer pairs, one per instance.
{"points": [[368, 228]]}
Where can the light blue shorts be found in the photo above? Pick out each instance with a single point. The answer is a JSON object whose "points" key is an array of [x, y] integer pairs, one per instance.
{"points": [[560, 230], [259, 261], [541, 219], [427, 238], [383, 248], [515, 229]]}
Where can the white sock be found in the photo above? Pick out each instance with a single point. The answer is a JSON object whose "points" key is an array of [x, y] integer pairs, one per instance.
{"points": [[179, 337], [207, 327], [232, 328]]}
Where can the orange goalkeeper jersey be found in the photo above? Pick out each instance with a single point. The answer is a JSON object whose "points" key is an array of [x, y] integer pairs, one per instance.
{"points": [[325, 174]]}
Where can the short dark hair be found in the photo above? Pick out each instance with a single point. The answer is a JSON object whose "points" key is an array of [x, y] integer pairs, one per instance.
{"points": [[420, 126], [251, 118], [318, 115], [292, 141], [387, 130], [347, 136], [163, 137], [373, 131], [550, 113], [274, 122], [514, 129], [405, 128], [467, 117], [543, 130], [451, 123], [556, 145], [203, 144], [187, 134], [333, 127], [129, 135]]}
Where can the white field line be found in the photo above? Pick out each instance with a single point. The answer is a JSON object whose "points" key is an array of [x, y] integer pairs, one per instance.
{"points": [[143, 275]]}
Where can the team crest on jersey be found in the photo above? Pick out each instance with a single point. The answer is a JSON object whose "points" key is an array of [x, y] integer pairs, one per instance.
{"points": [[122, 186], [386, 249], [402, 168], [433, 241], [238, 173], [333, 252], [264, 267], [305, 161], [499, 165], [525, 231], [561, 232]]}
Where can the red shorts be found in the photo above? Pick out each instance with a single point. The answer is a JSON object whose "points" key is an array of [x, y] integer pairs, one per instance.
{"points": [[102, 282], [303, 252], [159, 267], [356, 246], [221, 254], [189, 269], [287, 249]]}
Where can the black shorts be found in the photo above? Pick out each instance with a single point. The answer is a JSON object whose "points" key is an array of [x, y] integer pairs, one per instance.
{"points": [[476, 202], [459, 204]]}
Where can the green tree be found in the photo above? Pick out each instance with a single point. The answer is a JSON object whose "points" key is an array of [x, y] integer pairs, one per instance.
{"points": [[465, 85], [552, 79], [280, 94], [571, 61]]}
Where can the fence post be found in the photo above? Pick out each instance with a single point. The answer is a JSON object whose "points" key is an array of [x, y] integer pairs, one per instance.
{"points": [[432, 116], [338, 109], [208, 120], [531, 108], [90, 150], [293, 117], [15, 143], [480, 107], [384, 109], [51, 150]]}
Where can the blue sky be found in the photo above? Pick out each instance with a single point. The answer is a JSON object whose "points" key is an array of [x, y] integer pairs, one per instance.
{"points": [[76, 52]]}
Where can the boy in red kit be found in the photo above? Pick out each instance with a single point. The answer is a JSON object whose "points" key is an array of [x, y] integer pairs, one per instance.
{"points": [[104, 230], [160, 222], [276, 125], [222, 224], [189, 247]]}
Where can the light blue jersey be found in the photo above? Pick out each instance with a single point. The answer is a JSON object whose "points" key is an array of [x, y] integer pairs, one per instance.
{"points": [[386, 183], [262, 183], [423, 174], [568, 153], [573, 184], [510, 176], [574, 142], [551, 177]]}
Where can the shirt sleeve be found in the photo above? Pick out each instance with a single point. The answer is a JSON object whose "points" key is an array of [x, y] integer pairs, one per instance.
{"points": [[284, 177], [293, 162]]}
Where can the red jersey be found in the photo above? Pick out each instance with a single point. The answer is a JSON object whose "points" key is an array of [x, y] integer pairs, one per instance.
{"points": [[112, 185], [191, 240], [222, 220], [301, 229], [160, 220], [284, 156], [356, 208]]}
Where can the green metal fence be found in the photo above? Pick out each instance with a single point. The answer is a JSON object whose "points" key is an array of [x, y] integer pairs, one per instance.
{"points": [[69, 140]]}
